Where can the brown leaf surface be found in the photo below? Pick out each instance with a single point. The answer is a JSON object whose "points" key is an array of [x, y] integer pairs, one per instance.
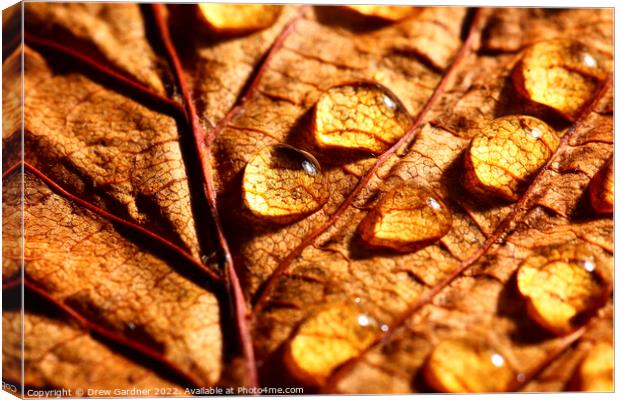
{"points": [[111, 281], [125, 242]]}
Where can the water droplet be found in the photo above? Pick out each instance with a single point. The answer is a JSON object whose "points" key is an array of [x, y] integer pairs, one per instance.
{"points": [[596, 371], [466, 366], [504, 155], [406, 219], [239, 18], [562, 287], [560, 74], [283, 184], [358, 300], [388, 13], [362, 116], [602, 189], [327, 339], [131, 326], [385, 327]]}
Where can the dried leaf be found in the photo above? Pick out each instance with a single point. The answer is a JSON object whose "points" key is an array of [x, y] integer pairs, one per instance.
{"points": [[602, 189], [178, 179]]}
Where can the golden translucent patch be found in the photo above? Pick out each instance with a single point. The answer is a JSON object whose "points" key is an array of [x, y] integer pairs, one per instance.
{"points": [[388, 13], [239, 18], [327, 339], [602, 189], [406, 219], [505, 154], [596, 371], [363, 116], [464, 366], [563, 286], [283, 184], [560, 74]]}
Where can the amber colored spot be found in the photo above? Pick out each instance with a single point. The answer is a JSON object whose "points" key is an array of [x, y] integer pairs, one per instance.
{"points": [[406, 219], [388, 13], [560, 74], [563, 286], [239, 18], [327, 339], [504, 155], [283, 184], [464, 366], [602, 189], [363, 116], [596, 371]]}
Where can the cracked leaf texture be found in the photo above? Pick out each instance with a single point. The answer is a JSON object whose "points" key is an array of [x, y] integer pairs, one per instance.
{"points": [[355, 282]]}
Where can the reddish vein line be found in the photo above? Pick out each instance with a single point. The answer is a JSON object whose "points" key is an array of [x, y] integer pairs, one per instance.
{"points": [[12, 282], [564, 343], [11, 169], [115, 337], [58, 189], [232, 280], [517, 213], [103, 69], [253, 86], [309, 239]]}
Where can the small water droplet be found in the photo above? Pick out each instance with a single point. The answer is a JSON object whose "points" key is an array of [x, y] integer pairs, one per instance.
{"points": [[406, 219], [239, 18], [385, 328], [505, 153], [284, 184], [563, 286], [357, 300], [560, 74], [388, 13], [327, 339], [131, 326], [361, 116], [596, 371], [463, 365]]}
